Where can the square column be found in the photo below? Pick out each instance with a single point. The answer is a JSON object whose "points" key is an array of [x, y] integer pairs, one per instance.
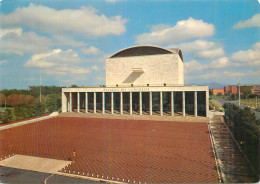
{"points": [[112, 103], [78, 102], [183, 103], [64, 101], [172, 103], [140, 103], [131, 103], [151, 103], [103, 103], [95, 103], [195, 104], [161, 103], [121, 102], [70, 108], [86, 102], [207, 103]]}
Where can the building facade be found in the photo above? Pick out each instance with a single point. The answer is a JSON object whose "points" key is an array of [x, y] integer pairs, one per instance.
{"points": [[216, 91], [231, 90], [143, 80]]}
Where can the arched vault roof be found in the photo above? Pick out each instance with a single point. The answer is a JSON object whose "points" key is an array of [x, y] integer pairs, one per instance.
{"points": [[145, 50]]}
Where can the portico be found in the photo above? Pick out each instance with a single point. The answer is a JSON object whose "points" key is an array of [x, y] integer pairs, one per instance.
{"points": [[161, 101]]}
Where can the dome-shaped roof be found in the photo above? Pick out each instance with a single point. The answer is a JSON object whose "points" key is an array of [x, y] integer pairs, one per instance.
{"points": [[145, 50]]}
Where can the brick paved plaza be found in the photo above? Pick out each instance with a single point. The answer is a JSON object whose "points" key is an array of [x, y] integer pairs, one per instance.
{"points": [[122, 150]]}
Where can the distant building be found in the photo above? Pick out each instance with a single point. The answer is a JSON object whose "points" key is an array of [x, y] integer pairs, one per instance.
{"points": [[141, 80], [216, 91], [256, 89], [234, 89], [231, 89]]}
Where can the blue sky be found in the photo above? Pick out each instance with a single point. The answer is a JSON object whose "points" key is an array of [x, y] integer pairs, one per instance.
{"points": [[66, 42]]}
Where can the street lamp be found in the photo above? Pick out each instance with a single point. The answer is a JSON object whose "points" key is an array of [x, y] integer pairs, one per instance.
{"points": [[239, 93]]}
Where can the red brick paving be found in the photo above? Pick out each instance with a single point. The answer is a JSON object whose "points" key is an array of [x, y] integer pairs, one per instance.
{"points": [[140, 151]]}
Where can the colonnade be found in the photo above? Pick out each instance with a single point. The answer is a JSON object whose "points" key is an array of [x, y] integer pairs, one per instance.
{"points": [[181, 104]]}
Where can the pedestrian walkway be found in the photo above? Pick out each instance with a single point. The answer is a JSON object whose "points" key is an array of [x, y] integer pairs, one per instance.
{"points": [[233, 165]]}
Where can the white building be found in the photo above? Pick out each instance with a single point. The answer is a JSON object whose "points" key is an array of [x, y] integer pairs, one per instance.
{"points": [[141, 80]]}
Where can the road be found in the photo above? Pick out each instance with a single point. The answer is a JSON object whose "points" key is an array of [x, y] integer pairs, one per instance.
{"points": [[257, 114]]}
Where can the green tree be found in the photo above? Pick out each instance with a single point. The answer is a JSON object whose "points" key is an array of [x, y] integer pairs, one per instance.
{"points": [[23, 112], [39, 109], [74, 86], [7, 116], [247, 91], [210, 92], [53, 102]]}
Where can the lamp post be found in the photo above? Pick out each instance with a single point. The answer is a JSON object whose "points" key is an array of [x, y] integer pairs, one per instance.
{"points": [[239, 94], [256, 102]]}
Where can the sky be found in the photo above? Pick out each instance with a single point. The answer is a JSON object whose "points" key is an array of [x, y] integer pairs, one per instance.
{"points": [[64, 42]]}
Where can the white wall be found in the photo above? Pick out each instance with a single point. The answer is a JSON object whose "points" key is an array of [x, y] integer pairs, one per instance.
{"points": [[158, 69]]}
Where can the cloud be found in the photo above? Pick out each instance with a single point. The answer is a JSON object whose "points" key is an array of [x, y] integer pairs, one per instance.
{"points": [[197, 45], [195, 66], [183, 30], [95, 68], [57, 62], [84, 21], [201, 49], [100, 78], [90, 51], [14, 41], [61, 40], [225, 75], [113, 1], [209, 54], [17, 31], [250, 57], [252, 22], [2, 62]]}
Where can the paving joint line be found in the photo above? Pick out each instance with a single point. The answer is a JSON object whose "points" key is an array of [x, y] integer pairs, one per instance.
{"points": [[87, 178]]}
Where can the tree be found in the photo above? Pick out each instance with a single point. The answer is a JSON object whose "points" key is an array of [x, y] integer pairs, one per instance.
{"points": [[246, 91], [53, 102], [219, 94], [7, 116], [210, 92], [74, 86]]}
